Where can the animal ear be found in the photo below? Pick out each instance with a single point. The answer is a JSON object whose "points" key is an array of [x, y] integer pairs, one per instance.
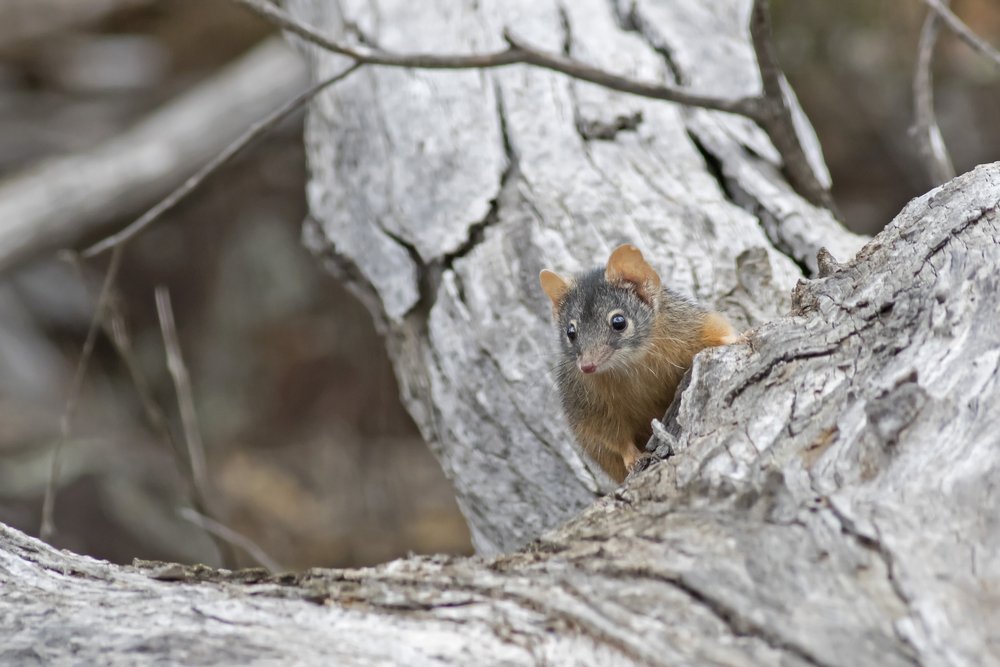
{"points": [[627, 265], [555, 287]]}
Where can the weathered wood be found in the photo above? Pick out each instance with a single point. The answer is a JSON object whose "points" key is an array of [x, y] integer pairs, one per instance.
{"points": [[442, 194], [830, 503], [829, 500]]}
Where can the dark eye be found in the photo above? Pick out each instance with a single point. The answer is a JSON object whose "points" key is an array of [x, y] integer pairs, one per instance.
{"points": [[618, 323], [571, 332]]}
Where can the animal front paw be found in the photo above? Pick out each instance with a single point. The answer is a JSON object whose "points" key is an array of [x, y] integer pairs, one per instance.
{"points": [[637, 463]]}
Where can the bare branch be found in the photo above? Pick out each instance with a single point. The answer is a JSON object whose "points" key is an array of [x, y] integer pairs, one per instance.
{"points": [[117, 243], [769, 110], [376, 56], [182, 384], [213, 165], [743, 106], [65, 423], [518, 53], [767, 62], [195, 459], [926, 131], [963, 31], [68, 200], [115, 328], [777, 118]]}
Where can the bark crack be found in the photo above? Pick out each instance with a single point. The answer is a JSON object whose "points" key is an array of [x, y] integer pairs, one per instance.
{"points": [[592, 129], [630, 20], [712, 164], [477, 231], [871, 318], [786, 358], [430, 273], [738, 625], [519, 593], [877, 546], [956, 232]]}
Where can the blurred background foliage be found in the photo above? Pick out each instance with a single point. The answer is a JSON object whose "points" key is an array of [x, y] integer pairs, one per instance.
{"points": [[310, 454], [851, 64]]}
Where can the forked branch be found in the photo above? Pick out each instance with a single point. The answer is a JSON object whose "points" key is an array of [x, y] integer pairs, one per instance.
{"points": [[962, 31], [770, 109], [926, 131]]}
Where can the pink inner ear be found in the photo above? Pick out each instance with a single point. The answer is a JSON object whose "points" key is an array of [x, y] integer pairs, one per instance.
{"points": [[646, 288], [645, 292], [627, 264], [645, 283]]}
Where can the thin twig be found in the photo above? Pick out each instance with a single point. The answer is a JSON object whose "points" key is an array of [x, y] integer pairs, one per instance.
{"points": [[963, 31], [65, 422], [777, 119], [232, 537], [116, 243], [376, 56], [227, 154], [69, 200], [743, 106], [926, 130], [195, 452], [769, 110], [517, 53], [115, 328], [182, 385], [767, 62]]}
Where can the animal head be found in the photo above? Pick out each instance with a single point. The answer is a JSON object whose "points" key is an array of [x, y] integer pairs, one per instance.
{"points": [[605, 316]]}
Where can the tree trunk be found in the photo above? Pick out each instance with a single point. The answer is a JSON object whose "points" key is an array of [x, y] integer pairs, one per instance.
{"points": [[829, 502], [440, 195], [830, 499]]}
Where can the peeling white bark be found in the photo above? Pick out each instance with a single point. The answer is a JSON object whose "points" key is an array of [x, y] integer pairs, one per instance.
{"points": [[442, 194], [830, 499], [830, 502]]}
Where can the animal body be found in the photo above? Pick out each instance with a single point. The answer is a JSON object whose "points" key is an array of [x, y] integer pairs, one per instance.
{"points": [[625, 342]]}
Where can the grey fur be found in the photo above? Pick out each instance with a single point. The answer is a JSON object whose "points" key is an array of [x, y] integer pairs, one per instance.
{"points": [[589, 303]]}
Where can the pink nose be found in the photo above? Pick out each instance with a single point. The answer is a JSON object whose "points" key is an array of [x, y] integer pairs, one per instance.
{"points": [[588, 368]]}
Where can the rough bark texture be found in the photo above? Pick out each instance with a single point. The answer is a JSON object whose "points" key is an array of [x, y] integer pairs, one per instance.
{"points": [[830, 502], [442, 194], [831, 496]]}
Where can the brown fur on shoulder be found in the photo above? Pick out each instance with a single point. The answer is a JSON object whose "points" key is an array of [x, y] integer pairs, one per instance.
{"points": [[641, 365], [716, 330]]}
